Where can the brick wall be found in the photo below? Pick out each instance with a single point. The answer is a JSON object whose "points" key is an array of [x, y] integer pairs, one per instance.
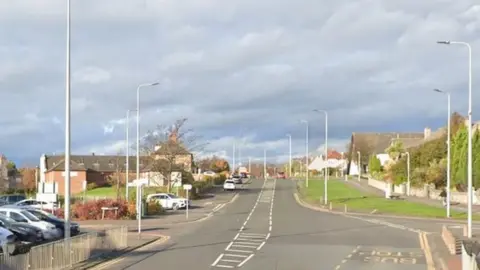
{"points": [[76, 180]]}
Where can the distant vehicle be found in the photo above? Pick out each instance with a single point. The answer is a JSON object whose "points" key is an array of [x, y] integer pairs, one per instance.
{"points": [[237, 179], [209, 173], [229, 185], [58, 222], [169, 201], [21, 215], [281, 175], [37, 204], [23, 231], [12, 198], [244, 175]]}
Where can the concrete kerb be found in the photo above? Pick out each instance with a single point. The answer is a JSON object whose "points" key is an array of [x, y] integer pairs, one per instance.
{"points": [[105, 263]]}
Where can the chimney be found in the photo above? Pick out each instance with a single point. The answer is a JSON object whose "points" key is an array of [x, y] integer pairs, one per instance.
{"points": [[427, 132]]}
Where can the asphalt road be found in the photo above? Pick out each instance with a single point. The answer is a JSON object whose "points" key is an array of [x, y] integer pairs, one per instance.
{"points": [[266, 229]]}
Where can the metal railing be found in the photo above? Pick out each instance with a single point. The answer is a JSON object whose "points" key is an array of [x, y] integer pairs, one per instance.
{"points": [[63, 254]]}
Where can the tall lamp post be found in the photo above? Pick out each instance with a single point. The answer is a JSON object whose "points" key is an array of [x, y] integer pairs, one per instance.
{"points": [[127, 154], [408, 173], [306, 153], [289, 155], [448, 149], [470, 159], [67, 131], [138, 150], [326, 155], [359, 165], [264, 163]]}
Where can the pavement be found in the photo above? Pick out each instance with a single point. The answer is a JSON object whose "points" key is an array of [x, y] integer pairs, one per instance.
{"points": [[363, 185], [265, 228]]}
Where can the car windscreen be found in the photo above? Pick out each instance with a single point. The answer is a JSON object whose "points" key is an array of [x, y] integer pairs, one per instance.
{"points": [[229, 182], [29, 216], [172, 196], [6, 220]]}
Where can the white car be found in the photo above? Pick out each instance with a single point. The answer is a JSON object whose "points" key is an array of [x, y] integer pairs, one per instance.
{"points": [[169, 201], [229, 185], [37, 204], [209, 173], [49, 230]]}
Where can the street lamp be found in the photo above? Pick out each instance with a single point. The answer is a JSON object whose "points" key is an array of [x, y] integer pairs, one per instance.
{"points": [[67, 131], [448, 149], [265, 164], [306, 153], [127, 154], [138, 143], [289, 155], [233, 159], [408, 173], [325, 172], [359, 166], [470, 159]]}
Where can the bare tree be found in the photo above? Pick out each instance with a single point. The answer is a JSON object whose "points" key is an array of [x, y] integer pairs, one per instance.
{"points": [[169, 149]]}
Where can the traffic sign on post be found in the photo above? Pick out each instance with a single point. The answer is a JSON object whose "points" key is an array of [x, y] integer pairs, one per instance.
{"points": [[187, 187]]}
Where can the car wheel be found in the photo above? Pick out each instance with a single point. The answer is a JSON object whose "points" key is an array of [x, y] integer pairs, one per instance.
{"points": [[175, 207]]}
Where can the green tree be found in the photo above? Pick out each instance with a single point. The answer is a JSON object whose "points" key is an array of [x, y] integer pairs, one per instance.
{"points": [[459, 150], [476, 159], [374, 164], [395, 150]]}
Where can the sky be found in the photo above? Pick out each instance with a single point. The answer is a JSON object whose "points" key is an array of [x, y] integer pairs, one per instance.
{"points": [[241, 71]]}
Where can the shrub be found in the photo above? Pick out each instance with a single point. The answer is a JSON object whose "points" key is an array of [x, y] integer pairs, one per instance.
{"points": [[91, 186], [92, 210], [154, 208], [374, 164]]}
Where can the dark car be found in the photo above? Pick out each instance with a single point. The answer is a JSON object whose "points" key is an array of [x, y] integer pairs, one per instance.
{"points": [[57, 222], [23, 231]]}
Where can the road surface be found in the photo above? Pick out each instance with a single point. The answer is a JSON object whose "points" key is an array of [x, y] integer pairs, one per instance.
{"points": [[266, 229]]}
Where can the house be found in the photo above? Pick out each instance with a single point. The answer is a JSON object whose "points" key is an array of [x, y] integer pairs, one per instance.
{"points": [[335, 160], [174, 153], [375, 143]]}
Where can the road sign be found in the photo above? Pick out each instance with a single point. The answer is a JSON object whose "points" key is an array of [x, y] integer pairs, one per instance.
{"points": [[187, 187]]}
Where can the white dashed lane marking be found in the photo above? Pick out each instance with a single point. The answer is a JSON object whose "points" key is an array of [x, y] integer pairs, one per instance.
{"points": [[244, 245]]}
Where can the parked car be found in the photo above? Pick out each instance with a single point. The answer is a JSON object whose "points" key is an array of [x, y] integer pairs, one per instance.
{"points": [[209, 173], [6, 238], [229, 185], [281, 175], [12, 198], [169, 201], [18, 214], [37, 204], [23, 231], [58, 222]]}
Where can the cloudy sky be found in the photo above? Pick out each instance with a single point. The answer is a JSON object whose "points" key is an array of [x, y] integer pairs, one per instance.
{"points": [[239, 70]]}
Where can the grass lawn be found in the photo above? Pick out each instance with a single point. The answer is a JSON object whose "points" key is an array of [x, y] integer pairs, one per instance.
{"points": [[340, 193], [108, 192]]}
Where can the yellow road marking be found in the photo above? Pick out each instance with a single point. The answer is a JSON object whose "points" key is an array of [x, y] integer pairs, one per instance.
{"points": [[426, 250]]}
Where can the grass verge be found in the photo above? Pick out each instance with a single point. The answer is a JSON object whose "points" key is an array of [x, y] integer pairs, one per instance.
{"points": [[341, 194]]}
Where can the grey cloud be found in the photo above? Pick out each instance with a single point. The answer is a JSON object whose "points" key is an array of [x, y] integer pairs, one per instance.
{"points": [[225, 64]]}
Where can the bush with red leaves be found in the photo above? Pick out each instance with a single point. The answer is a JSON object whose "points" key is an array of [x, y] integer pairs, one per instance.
{"points": [[92, 210]]}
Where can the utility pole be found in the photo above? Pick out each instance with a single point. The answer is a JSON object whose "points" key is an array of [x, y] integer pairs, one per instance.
{"points": [[265, 163], [233, 159]]}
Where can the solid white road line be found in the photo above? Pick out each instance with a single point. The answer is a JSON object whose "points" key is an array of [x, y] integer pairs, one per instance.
{"points": [[268, 236], [234, 261], [224, 266], [217, 260], [245, 261], [261, 245], [229, 245], [243, 246], [241, 251], [235, 255]]}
